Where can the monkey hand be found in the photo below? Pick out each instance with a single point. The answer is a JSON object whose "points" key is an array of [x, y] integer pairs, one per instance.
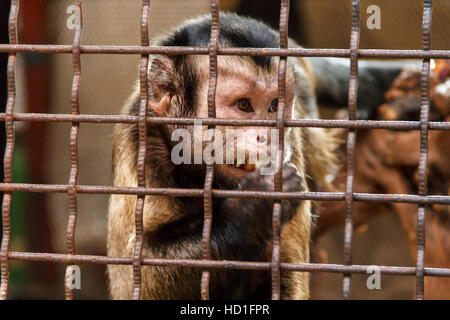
{"points": [[256, 181]]}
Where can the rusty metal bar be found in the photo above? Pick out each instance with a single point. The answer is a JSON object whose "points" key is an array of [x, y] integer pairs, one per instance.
{"points": [[142, 151], [209, 176], [9, 150], [351, 141], [73, 147], [142, 120], [294, 52], [220, 193], [275, 265], [224, 264], [206, 233], [278, 179], [319, 123], [423, 159]]}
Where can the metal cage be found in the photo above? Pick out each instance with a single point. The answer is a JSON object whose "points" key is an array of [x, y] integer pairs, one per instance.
{"points": [[72, 188]]}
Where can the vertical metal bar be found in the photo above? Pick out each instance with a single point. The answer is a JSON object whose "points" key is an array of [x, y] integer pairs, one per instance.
{"points": [[276, 215], [73, 146], [9, 150], [275, 267], [208, 214], [351, 140], [423, 160], [142, 124]]}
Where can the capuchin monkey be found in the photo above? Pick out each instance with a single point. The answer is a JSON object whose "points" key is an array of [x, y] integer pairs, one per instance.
{"points": [[247, 88]]}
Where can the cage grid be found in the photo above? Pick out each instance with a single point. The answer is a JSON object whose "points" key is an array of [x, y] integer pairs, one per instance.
{"points": [[422, 199]]}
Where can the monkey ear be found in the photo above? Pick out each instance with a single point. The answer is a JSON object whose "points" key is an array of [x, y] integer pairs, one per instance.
{"points": [[162, 81]]}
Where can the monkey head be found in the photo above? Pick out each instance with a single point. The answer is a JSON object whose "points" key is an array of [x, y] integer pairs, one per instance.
{"points": [[247, 88], [244, 91]]}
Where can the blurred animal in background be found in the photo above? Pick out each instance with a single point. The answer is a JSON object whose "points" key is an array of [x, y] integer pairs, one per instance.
{"points": [[387, 162]]}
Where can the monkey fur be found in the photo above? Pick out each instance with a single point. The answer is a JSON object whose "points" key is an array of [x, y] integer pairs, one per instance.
{"points": [[242, 228]]}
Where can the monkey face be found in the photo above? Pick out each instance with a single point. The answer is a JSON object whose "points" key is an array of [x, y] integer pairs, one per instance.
{"points": [[245, 91]]}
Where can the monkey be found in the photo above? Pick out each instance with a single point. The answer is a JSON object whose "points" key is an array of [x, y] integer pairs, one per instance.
{"points": [[247, 88]]}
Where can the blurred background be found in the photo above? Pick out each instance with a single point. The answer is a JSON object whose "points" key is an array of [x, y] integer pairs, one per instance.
{"points": [[41, 154]]}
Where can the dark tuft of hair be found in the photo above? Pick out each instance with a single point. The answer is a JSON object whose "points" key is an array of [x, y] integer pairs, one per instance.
{"points": [[235, 31]]}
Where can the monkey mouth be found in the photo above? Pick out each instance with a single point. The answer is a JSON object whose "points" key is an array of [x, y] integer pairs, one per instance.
{"points": [[244, 166]]}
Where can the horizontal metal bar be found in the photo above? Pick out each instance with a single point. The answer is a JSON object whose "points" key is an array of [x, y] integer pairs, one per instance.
{"points": [[222, 264], [178, 192], [295, 52], [321, 123]]}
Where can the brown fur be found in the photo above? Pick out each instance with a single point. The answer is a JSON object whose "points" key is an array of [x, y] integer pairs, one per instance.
{"points": [[158, 210], [312, 154]]}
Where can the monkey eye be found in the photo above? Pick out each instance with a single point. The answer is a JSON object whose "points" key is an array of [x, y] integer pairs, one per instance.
{"points": [[273, 106], [244, 105]]}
